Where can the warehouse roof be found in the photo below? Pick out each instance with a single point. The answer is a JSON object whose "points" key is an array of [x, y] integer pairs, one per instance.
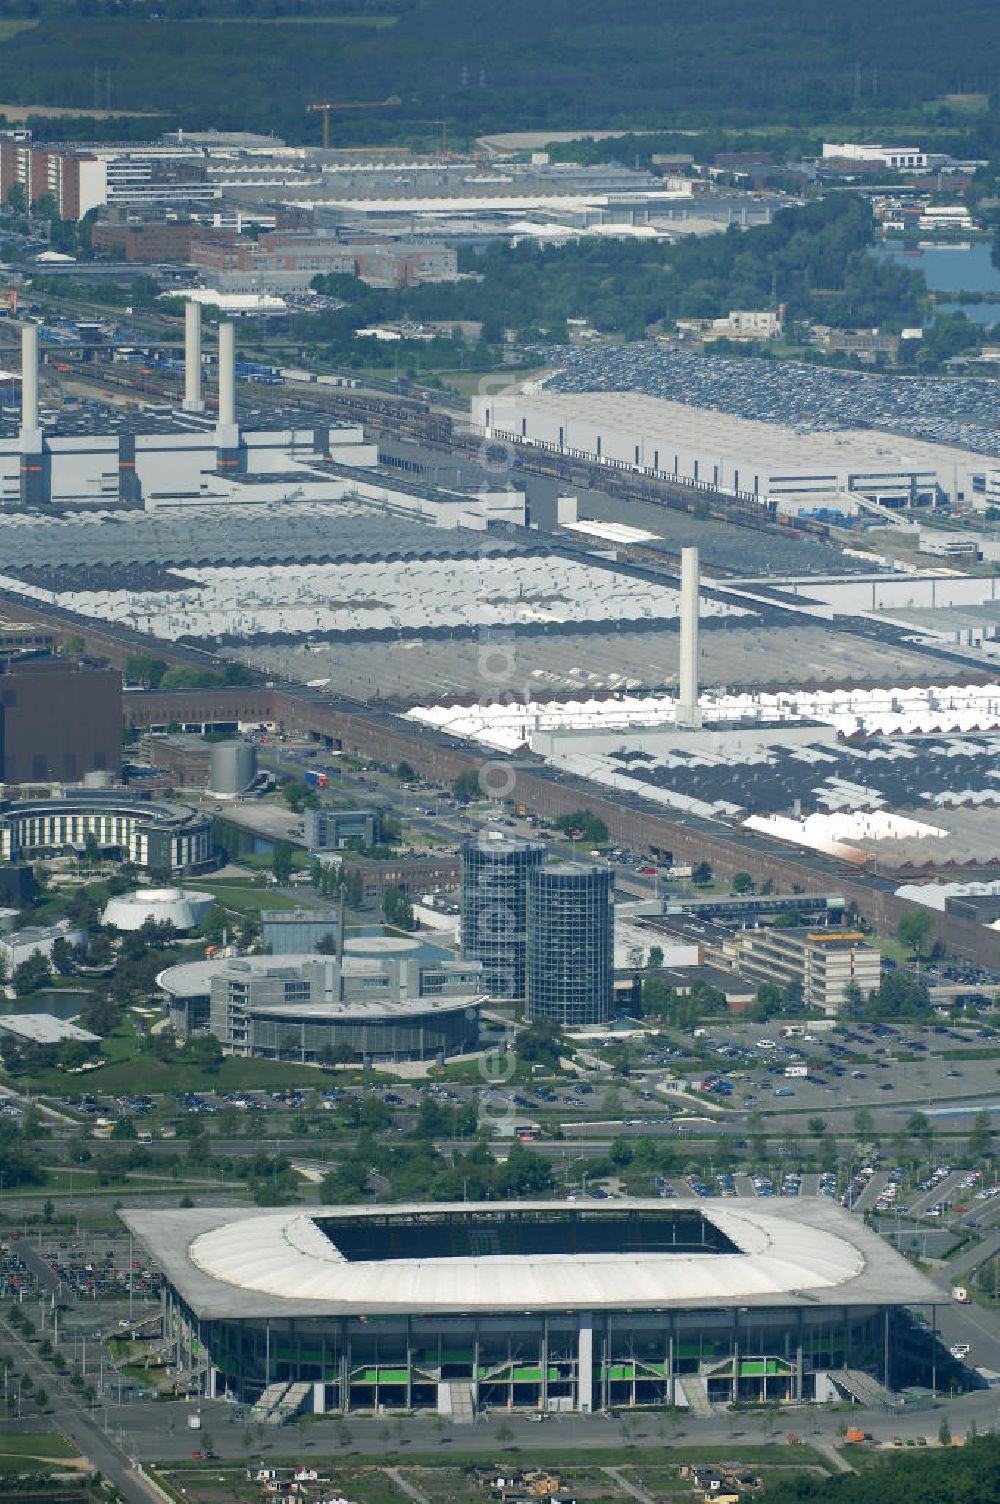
{"points": [[773, 449], [245, 1263]]}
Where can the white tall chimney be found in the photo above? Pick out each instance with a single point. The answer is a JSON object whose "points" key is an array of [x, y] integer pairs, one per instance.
{"points": [[227, 376], [31, 439], [192, 358], [687, 703]]}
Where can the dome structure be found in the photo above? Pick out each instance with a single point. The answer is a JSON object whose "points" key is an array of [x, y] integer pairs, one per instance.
{"points": [[182, 907]]}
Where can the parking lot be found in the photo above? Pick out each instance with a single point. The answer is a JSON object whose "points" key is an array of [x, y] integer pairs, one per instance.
{"points": [[805, 397]]}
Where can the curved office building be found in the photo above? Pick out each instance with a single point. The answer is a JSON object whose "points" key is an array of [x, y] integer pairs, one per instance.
{"points": [[161, 836], [495, 874], [570, 950]]}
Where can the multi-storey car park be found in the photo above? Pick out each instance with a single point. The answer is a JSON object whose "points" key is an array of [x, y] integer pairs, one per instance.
{"points": [[536, 1306]]}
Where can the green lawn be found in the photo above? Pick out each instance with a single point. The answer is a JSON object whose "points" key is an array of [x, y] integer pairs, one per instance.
{"points": [[245, 898], [11, 28], [22, 1443]]}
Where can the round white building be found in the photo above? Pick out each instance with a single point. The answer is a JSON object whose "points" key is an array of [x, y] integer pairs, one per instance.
{"points": [[182, 907]]}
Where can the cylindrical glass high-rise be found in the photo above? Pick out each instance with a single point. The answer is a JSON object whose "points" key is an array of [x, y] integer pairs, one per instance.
{"points": [[570, 970], [494, 908]]}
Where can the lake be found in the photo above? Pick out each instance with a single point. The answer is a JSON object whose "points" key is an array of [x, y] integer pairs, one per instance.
{"points": [[953, 269], [64, 1002]]}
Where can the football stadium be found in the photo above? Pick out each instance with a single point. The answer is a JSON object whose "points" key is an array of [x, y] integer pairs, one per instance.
{"points": [[542, 1306]]}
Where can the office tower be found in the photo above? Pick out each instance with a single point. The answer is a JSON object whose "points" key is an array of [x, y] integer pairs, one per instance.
{"points": [[570, 951], [494, 907]]}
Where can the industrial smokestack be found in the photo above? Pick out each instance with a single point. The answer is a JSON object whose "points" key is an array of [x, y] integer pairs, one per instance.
{"points": [[227, 376], [687, 704], [35, 483], [29, 384], [192, 358]]}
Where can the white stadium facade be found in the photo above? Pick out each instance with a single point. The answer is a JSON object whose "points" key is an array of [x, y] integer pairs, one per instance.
{"points": [[535, 1305]]}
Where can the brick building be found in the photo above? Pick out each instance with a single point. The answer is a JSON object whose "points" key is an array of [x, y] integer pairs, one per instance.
{"points": [[59, 720]]}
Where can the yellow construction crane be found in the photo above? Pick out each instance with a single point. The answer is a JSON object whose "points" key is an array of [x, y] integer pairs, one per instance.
{"points": [[368, 104]]}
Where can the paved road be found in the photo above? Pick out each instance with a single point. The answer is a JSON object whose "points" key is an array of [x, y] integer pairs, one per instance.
{"points": [[943, 1192], [871, 1192], [79, 1424], [160, 1432]]}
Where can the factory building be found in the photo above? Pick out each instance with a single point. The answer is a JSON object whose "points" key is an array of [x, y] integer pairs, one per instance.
{"points": [[178, 461], [896, 158], [536, 1306], [698, 445], [60, 719]]}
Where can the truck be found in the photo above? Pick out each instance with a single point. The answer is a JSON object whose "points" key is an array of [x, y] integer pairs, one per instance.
{"points": [[797, 1071], [315, 778]]}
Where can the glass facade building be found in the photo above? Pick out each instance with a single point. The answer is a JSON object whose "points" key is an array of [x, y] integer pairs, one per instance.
{"points": [[495, 876], [570, 949]]}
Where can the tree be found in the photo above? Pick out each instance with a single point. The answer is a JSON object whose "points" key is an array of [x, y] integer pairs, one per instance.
{"points": [[854, 999], [32, 974], [144, 668], [582, 825], [792, 996], [41, 1398], [980, 1144], [817, 1128], [743, 883], [62, 957], [944, 1432], [913, 930], [864, 1123], [655, 958], [918, 1126], [397, 907], [540, 1043], [466, 786], [701, 875], [281, 862], [406, 774], [767, 1002], [74, 1053], [17, 199]]}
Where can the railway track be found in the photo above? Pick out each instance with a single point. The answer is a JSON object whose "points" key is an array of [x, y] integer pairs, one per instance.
{"points": [[413, 418]]}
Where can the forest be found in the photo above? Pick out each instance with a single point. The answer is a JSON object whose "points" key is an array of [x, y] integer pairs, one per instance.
{"points": [[961, 1475], [814, 260], [569, 63]]}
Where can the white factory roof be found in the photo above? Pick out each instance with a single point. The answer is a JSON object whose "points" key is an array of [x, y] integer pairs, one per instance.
{"points": [[241, 1263], [936, 895], [183, 908], [231, 302], [770, 447], [906, 710], [377, 594]]}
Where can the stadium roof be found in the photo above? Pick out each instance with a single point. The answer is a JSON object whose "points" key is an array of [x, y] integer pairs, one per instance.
{"points": [[245, 1263]]}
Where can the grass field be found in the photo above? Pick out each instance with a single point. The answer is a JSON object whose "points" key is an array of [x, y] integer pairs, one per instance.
{"points": [[22, 1443], [11, 28], [443, 1480], [245, 898]]}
